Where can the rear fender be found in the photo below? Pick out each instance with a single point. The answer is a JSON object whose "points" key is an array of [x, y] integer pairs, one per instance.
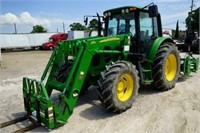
{"points": [[154, 47]]}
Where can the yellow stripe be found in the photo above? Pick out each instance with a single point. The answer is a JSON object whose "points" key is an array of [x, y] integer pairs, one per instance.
{"points": [[110, 39]]}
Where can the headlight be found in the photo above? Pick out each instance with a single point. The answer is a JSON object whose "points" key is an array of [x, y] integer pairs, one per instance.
{"points": [[123, 11], [127, 11], [106, 14]]}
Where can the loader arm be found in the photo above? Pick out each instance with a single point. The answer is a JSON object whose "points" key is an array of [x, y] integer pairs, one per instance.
{"points": [[79, 55]]}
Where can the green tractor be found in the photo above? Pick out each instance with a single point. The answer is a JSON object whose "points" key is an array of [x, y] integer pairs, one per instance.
{"points": [[130, 52]]}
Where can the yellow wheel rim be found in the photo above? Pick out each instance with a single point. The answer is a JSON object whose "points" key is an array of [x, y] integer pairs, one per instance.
{"points": [[125, 87], [170, 67]]}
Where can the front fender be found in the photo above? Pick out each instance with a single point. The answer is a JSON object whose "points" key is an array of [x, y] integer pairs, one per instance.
{"points": [[155, 45]]}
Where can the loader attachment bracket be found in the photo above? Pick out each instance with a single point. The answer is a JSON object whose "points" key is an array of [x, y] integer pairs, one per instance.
{"points": [[37, 102]]}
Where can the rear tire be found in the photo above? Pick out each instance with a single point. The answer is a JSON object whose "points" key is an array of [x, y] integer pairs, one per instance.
{"points": [[166, 67], [118, 86]]}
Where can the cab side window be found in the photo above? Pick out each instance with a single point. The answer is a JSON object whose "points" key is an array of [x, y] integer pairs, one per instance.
{"points": [[148, 27]]}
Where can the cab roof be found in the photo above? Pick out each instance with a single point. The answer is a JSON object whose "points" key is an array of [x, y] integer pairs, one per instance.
{"points": [[125, 7]]}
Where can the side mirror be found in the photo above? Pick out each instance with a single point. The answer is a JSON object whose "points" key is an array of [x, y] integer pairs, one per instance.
{"points": [[86, 20], [153, 11]]}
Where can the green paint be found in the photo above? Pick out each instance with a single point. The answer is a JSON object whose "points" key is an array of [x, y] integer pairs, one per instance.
{"points": [[189, 64]]}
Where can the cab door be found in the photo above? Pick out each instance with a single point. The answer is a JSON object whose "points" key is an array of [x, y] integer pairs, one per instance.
{"points": [[148, 30]]}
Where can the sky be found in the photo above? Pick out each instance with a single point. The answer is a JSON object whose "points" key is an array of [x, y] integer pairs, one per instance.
{"points": [[53, 13]]}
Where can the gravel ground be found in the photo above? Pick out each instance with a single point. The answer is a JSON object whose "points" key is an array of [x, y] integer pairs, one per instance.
{"points": [[174, 111]]}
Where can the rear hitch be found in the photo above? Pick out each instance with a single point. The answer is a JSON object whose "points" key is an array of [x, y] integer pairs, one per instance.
{"points": [[189, 64]]}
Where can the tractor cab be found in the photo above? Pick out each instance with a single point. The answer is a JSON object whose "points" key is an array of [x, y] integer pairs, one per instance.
{"points": [[144, 25]]}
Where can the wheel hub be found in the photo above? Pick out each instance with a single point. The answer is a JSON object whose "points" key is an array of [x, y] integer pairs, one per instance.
{"points": [[125, 87], [170, 67]]}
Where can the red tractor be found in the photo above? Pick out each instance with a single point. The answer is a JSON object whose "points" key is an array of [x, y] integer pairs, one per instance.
{"points": [[51, 44]]}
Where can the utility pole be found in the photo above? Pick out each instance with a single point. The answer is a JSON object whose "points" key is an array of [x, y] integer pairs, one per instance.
{"points": [[63, 27], [15, 28], [192, 5]]}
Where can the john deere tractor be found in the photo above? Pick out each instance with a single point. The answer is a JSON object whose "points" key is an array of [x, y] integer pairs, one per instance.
{"points": [[130, 52]]}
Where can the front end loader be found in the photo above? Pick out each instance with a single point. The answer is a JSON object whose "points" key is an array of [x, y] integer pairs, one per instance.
{"points": [[131, 52]]}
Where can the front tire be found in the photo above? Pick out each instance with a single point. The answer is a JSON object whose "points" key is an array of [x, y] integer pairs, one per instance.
{"points": [[118, 86], [166, 67], [63, 74]]}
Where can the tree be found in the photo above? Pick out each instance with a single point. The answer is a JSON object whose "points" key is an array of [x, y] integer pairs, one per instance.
{"points": [[176, 36], [192, 21], [77, 26], [38, 29], [93, 24]]}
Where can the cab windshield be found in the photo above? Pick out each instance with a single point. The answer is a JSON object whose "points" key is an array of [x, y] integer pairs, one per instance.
{"points": [[121, 24]]}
